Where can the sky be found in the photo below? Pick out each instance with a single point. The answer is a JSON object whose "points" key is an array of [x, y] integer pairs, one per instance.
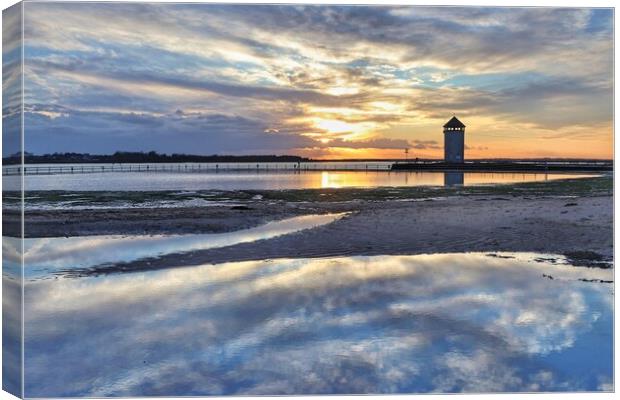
{"points": [[317, 81]]}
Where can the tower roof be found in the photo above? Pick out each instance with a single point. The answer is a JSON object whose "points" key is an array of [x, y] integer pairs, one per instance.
{"points": [[454, 123]]}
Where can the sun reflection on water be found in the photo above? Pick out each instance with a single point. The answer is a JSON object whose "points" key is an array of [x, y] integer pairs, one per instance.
{"points": [[371, 175]]}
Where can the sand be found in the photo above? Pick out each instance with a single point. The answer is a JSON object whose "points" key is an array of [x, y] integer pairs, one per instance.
{"points": [[453, 224], [151, 221]]}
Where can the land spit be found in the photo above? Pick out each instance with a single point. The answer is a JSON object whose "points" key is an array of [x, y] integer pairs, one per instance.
{"points": [[503, 166]]}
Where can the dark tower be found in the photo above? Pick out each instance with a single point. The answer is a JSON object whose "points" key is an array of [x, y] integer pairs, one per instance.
{"points": [[454, 141]]}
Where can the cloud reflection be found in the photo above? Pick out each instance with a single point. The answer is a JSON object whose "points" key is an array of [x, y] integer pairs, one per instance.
{"points": [[11, 317], [394, 324], [44, 254]]}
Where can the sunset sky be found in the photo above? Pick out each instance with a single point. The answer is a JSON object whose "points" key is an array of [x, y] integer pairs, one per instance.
{"points": [[318, 81]]}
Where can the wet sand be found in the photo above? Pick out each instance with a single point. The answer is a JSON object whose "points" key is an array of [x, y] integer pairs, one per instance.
{"points": [[454, 224], [153, 221]]}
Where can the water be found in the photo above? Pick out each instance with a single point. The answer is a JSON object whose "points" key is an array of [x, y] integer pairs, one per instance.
{"points": [[384, 324], [270, 180], [45, 256]]}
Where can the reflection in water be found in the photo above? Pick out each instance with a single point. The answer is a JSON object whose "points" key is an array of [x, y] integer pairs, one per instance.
{"points": [[44, 255], [453, 178], [11, 316], [271, 180], [387, 324]]}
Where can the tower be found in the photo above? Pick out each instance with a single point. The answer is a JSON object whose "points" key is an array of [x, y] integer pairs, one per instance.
{"points": [[454, 141]]}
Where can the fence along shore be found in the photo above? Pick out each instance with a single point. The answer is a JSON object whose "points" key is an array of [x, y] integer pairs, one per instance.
{"points": [[524, 166]]}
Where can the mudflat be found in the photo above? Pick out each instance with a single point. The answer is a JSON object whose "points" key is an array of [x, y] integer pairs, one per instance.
{"points": [[570, 217], [455, 224]]}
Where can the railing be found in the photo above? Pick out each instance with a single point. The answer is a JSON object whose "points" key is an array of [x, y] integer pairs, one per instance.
{"points": [[223, 167], [274, 167], [506, 166]]}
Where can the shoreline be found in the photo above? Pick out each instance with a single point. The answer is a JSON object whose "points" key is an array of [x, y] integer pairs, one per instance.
{"points": [[83, 213], [556, 217], [577, 225]]}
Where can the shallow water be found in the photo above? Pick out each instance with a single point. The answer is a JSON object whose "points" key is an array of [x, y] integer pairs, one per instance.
{"points": [[385, 324], [45, 256], [273, 180]]}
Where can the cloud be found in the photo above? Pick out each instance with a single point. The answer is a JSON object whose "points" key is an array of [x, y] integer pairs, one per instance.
{"points": [[426, 144], [379, 143], [381, 69], [11, 80], [475, 147], [207, 133], [169, 81], [99, 132]]}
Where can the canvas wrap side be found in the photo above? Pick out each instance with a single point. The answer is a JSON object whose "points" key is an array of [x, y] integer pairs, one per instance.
{"points": [[12, 189]]}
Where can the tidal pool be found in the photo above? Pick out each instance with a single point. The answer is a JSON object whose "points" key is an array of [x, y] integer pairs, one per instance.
{"points": [[383, 324], [43, 256]]}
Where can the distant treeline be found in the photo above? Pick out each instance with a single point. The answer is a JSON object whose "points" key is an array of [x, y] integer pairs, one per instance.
{"points": [[141, 157]]}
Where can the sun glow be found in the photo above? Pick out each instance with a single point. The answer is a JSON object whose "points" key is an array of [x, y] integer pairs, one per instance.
{"points": [[334, 126], [342, 111], [339, 91], [383, 106]]}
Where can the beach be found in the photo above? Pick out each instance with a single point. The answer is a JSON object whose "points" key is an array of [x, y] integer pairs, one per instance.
{"points": [[546, 219]]}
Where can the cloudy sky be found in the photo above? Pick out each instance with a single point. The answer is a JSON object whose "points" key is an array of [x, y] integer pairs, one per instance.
{"points": [[319, 81]]}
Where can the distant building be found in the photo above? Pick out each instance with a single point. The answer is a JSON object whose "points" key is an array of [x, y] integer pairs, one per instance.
{"points": [[454, 141]]}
